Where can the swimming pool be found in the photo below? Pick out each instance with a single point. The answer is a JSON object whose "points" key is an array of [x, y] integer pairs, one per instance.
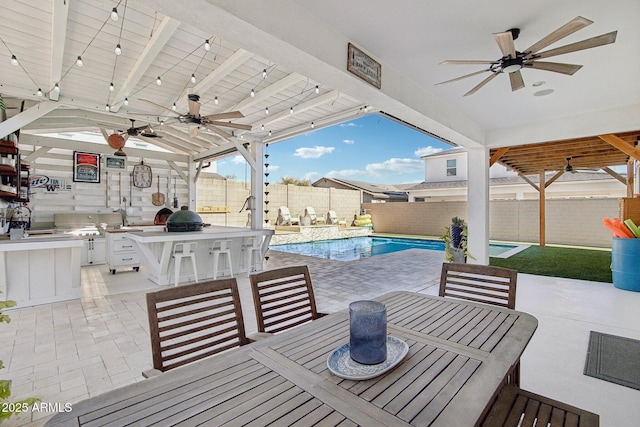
{"points": [[364, 247]]}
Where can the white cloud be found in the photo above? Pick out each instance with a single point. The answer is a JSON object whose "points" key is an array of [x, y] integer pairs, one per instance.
{"points": [[344, 173], [348, 125], [312, 176], [313, 153], [425, 151], [348, 141], [395, 166], [238, 159]]}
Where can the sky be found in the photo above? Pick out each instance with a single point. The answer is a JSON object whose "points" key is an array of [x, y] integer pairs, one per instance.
{"points": [[371, 148]]}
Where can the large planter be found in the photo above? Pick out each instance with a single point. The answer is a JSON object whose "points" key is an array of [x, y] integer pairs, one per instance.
{"points": [[625, 263], [456, 235]]}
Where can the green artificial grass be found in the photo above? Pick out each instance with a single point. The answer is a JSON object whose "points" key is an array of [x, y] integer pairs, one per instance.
{"points": [[570, 263]]}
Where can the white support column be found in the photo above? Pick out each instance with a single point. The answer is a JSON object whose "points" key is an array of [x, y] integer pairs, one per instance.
{"points": [[257, 186], [478, 204], [191, 184]]}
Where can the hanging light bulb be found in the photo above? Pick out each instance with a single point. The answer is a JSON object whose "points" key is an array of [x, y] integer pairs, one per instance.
{"points": [[14, 60], [126, 101], [118, 49], [317, 89], [114, 14], [111, 87], [313, 125], [262, 127], [253, 93], [266, 110], [193, 78], [56, 88], [174, 107], [269, 133], [207, 46], [79, 62], [366, 108], [291, 110], [159, 81], [264, 73], [39, 92], [215, 100], [107, 108]]}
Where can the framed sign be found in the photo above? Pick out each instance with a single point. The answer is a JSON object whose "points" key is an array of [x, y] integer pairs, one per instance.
{"points": [[364, 66], [115, 162], [86, 167]]}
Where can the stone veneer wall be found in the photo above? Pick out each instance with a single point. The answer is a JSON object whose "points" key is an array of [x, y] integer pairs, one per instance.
{"points": [[317, 232], [568, 221]]}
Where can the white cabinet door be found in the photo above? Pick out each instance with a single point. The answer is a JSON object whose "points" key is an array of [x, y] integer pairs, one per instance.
{"points": [[99, 251]]}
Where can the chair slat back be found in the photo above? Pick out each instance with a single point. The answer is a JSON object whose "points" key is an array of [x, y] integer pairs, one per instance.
{"points": [[479, 283], [188, 323], [283, 298]]}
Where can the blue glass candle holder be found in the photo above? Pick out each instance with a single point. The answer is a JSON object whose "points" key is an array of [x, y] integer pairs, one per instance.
{"points": [[368, 332]]}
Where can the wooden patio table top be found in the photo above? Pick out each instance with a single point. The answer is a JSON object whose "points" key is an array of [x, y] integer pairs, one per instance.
{"points": [[459, 354]]}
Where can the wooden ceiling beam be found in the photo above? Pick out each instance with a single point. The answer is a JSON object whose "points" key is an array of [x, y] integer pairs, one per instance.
{"points": [[621, 145], [497, 155]]}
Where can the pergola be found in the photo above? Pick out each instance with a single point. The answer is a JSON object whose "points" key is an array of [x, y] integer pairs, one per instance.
{"points": [[595, 152]]}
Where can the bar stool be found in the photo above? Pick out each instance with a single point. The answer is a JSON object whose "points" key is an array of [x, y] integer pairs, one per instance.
{"points": [[221, 247], [251, 253], [184, 250]]}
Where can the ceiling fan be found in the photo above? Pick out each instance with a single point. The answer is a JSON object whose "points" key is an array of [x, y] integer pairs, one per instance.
{"points": [[513, 61], [568, 167], [118, 139], [211, 121]]}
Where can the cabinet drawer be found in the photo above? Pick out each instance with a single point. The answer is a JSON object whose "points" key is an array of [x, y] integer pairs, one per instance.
{"points": [[123, 245], [117, 237], [125, 259]]}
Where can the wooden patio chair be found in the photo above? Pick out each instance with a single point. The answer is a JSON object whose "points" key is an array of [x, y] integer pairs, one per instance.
{"points": [[188, 323], [485, 284], [520, 408], [283, 298], [479, 283]]}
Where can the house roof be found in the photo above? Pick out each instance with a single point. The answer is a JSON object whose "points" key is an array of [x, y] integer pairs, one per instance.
{"points": [[379, 191]]}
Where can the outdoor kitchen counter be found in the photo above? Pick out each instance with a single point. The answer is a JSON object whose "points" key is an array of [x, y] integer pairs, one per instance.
{"points": [[40, 270], [155, 249]]}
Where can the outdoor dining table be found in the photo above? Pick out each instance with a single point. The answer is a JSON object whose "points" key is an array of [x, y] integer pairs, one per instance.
{"points": [[459, 354]]}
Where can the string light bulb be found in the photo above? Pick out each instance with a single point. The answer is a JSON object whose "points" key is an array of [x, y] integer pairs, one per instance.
{"points": [[79, 61], [215, 100], [111, 87], [313, 125], [56, 88], [291, 110], [266, 110], [193, 78], [126, 101], [174, 107], [118, 49], [207, 46], [114, 14], [264, 73], [159, 81], [317, 89], [366, 108], [39, 92], [269, 133], [107, 108], [253, 93], [14, 61], [262, 127]]}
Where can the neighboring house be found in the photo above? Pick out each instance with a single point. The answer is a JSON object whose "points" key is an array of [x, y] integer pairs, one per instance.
{"points": [[371, 193], [446, 179]]}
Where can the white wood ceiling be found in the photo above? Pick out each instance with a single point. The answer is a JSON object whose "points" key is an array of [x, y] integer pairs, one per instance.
{"points": [[47, 36]]}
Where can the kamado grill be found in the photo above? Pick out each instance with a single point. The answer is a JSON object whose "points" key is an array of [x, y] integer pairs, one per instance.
{"points": [[184, 220]]}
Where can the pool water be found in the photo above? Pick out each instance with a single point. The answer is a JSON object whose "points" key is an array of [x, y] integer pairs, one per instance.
{"points": [[364, 247]]}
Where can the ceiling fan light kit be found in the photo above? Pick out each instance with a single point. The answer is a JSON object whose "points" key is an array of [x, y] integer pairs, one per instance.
{"points": [[513, 61]]}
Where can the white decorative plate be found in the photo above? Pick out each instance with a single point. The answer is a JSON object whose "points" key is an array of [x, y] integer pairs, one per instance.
{"points": [[342, 365]]}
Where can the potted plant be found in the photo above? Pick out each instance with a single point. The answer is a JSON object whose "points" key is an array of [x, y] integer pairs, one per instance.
{"points": [[455, 239]]}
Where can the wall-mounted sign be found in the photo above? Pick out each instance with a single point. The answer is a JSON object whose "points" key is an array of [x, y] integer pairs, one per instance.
{"points": [[44, 184], [364, 66], [86, 167], [115, 162]]}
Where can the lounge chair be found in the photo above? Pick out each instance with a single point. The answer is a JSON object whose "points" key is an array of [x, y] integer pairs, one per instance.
{"points": [[332, 219], [285, 218], [310, 215]]}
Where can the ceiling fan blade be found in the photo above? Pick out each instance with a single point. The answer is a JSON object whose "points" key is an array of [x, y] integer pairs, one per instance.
{"points": [[516, 80], [220, 132], [160, 106], [505, 43], [465, 61], [194, 107], [463, 77], [228, 115], [482, 83], [229, 125], [193, 131], [584, 44], [570, 27], [556, 67]]}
